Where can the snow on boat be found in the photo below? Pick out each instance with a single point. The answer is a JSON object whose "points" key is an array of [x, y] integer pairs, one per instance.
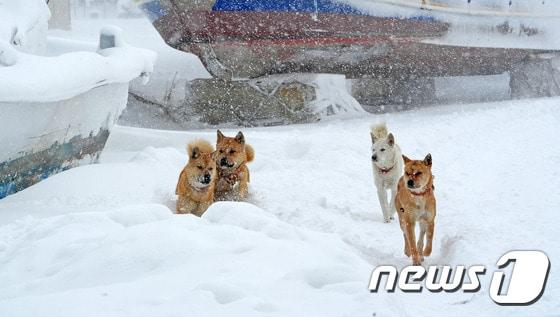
{"points": [[57, 111]]}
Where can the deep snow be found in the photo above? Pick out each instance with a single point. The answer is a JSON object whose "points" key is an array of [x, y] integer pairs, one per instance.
{"points": [[23, 23], [101, 240]]}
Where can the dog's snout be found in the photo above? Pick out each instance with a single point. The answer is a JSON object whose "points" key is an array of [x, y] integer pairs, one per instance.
{"points": [[410, 183], [374, 157], [206, 178], [223, 161]]}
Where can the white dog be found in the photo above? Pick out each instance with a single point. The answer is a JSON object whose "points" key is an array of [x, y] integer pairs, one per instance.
{"points": [[387, 163]]}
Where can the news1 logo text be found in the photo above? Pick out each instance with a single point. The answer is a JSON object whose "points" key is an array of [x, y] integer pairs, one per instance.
{"points": [[524, 285]]}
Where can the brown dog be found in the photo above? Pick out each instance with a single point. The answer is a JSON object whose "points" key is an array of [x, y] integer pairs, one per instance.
{"points": [[233, 175], [415, 201], [197, 181]]}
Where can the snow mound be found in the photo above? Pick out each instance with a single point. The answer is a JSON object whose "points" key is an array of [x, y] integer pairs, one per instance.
{"points": [[8, 55], [333, 96], [103, 253], [24, 23]]}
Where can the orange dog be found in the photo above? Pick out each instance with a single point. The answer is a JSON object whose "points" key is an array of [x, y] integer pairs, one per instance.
{"points": [[415, 201], [197, 181], [233, 175]]}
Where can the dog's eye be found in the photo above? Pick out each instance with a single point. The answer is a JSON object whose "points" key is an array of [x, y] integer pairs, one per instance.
{"points": [[199, 167], [232, 151], [382, 150], [417, 173], [211, 169], [221, 151]]}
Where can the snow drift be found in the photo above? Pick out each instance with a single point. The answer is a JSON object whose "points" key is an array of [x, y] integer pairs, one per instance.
{"points": [[103, 240]]}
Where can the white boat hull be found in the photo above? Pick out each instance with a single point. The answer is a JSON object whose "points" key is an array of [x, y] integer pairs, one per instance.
{"points": [[48, 137]]}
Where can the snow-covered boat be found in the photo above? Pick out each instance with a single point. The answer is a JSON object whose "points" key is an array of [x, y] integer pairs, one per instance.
{"points": [[56, 112], [357, 37], [393, 49]]}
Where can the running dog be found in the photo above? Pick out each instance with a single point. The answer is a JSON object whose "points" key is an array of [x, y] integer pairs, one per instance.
{"points": [[197, 181], [416, 202], [233, 175], [387, 166]]}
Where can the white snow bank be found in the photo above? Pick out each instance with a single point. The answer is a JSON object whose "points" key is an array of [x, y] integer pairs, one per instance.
{"points": [[146, 257], [24, 23], [101, 240], [8, 55], [40, 78]]}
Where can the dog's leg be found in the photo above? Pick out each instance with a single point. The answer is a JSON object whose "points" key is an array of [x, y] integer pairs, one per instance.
{"points": [[411, 239], [392, 208], [403, 227], [182, 205], [202, 207], [429, 238], [382, 195], [243, 190], [187, 206], [406, 248], [420, 245], [431, 211]]}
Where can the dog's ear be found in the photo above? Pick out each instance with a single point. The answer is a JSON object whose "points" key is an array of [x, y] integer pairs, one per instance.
{"points": [[372, 137], [405, 159], [391, 139], [428, 160], [220, 136], [195, 152], [240, 138]]}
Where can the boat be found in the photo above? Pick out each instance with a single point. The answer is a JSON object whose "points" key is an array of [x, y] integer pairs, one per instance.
{"points": [[358, 38], [57, 111], [390, 51]]}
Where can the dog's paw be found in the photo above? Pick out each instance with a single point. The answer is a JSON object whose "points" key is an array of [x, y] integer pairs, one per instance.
{"points": [[407, 252], [387, 220], [417, 259]]}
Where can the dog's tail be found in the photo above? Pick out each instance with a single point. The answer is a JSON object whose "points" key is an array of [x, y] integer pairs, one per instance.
{"points": [[379, 130], [249, 152], [202, 145]]}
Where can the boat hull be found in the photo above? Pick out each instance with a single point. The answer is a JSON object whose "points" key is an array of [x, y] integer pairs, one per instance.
{"points": [[256, 38], [46, 138]]}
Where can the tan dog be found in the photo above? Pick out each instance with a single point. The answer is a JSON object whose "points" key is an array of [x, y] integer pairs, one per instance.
{"points": [[233, 175], [197, 181], [415, 201]]}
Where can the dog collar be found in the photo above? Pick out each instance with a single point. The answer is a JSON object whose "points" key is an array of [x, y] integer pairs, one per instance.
{"points": [[385, 170]]}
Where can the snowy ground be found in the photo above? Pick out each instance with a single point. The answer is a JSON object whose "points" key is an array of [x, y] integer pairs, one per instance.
{"points": [[102, 240]]}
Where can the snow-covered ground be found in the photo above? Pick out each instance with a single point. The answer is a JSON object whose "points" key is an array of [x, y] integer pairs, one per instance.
{"points": [[102, 240]]}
